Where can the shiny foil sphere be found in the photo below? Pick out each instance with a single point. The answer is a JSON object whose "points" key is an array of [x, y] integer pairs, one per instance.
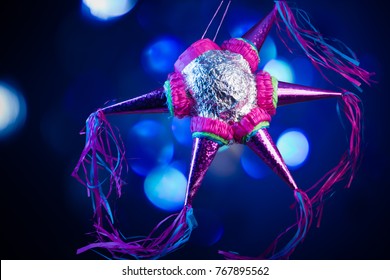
{"points": [[222, 84]]}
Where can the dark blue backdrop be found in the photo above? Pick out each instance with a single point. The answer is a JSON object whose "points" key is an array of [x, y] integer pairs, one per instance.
{"points": [[67, 66]]}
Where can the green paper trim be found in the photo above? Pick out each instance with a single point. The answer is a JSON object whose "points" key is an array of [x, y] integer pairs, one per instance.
{"points": [[275, 83], [210, 136], [168, 94], [261, 125], [251, 44]]}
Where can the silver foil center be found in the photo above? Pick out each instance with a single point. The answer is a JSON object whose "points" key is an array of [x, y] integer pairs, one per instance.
{"points": [[222, 85]]}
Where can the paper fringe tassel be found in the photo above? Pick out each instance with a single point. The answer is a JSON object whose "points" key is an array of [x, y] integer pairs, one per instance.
{"points": [[97, 156], [157, 244], [349, 162], [320, 50]]}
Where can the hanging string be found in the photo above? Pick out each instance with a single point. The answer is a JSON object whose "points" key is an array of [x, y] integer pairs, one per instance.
{"points": [[223, 17], [211, 21]]}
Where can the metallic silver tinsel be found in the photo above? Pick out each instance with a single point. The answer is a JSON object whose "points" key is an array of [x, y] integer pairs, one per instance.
{"points": [[222, 85]]}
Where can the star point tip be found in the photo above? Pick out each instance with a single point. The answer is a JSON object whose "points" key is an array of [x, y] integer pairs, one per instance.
{"points": [[263, 145], [152, 102]]}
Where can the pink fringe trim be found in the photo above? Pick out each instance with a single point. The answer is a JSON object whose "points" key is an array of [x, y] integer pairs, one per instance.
{"points": [[181, 102], [349, 162], [217, 127], [245, 49], [247, 124], [265, 92], [193, 51]]}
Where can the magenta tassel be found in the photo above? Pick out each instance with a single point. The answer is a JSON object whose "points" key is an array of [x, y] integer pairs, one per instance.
{"points": [[97, 157], [171, 233], [319, 50], [348, 164], [157, 244], [103, 152]]}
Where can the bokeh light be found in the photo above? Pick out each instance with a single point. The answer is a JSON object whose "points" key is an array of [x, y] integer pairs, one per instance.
{"points": [[107, 9], [304, 71], [181, 165], [210, 228], [12, 110], [253, 165], [294, 147], [280, 69], [268, 51], [149, 145], [241, 28], [161, 54], [165, 187], [181, 131], [225, 164]]}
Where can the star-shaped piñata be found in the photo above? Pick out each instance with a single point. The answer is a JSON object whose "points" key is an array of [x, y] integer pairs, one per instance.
{"points": [[229, 102]]}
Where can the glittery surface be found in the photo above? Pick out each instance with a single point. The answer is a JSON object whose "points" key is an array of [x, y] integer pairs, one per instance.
{"points": [[291, 93], [222, 84], [263, 145], [153, 102], [203, 153], [258, 33]]}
